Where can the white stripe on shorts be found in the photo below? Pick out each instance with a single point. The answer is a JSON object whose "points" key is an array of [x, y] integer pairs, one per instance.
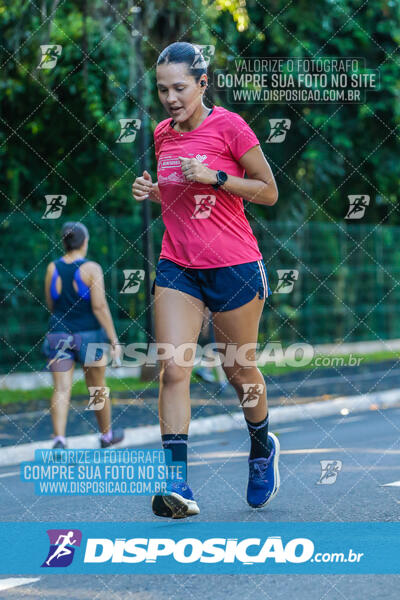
{"points": [[264, 278]]}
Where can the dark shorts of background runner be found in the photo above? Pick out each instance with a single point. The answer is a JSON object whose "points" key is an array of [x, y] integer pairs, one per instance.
{"points": [[74, 347]]}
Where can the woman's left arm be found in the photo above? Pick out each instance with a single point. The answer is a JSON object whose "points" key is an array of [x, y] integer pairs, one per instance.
{"points": [[259, 186]]}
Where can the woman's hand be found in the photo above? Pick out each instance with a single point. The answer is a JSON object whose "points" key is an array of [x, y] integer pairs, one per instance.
{"points": [[116, 354], [194, 170], [142, 187]]}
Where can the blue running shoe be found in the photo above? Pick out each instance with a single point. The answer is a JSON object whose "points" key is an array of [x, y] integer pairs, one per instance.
{"points": [[177, 503], [264, 476]]}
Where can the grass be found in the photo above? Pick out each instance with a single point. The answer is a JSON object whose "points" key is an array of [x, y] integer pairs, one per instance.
{"points": [[79, 388], [124, 385], [336, 360]]}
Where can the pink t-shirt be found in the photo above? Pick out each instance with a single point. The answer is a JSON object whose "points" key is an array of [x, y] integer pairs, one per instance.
{"points": [[205, 228]]}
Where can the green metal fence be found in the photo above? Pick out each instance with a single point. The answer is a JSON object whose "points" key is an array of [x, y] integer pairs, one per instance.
{"points": [[347, 287]]}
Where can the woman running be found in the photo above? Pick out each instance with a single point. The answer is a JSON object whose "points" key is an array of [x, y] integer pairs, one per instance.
{"points": [[74, 289], [209, 257]]}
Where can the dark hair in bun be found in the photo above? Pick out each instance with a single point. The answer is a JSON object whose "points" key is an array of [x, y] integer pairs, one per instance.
{"points": [[73, 235]]}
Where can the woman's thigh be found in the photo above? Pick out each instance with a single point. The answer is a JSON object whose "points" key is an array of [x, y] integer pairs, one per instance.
{"points": [[240, 326], [63, 380]]}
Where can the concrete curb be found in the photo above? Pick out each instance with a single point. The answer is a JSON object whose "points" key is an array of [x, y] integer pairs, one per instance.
{"points": [[138, 436]]}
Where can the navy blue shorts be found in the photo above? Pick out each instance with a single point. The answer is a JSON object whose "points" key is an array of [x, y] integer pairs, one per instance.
{"points": [[63, 349], [220, 288]]}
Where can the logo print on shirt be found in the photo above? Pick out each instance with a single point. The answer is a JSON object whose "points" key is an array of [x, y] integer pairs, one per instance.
{"points": [[172, 178], [204, 204], [176, 176], [201, 157], [169, 162]]}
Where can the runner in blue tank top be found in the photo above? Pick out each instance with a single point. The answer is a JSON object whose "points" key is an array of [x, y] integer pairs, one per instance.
{"points": [[74, 289]]}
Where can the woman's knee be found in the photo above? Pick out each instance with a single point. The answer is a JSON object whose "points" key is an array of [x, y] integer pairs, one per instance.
{"points": [[61, 395], [172, 374], [238, 376], [94, 376], [62, 386]]}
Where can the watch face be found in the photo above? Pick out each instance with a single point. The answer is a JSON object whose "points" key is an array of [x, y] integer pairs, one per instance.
{"points": [[222, 177]]}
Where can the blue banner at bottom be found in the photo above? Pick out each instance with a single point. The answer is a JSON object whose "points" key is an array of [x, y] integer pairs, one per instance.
{"points": [[199, 548]]}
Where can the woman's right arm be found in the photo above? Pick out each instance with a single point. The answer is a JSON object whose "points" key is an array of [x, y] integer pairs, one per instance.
{"points": [[143, 188], [47, 283], [99, 302]]}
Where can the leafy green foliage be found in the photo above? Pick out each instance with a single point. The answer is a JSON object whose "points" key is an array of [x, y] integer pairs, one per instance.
{"points": [[59, 126], [58, 136]]}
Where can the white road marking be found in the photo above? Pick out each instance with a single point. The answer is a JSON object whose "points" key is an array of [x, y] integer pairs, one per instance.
{"points": [[10, 474], [11, 582], [285, 429], [346, 419], [393, 484]]}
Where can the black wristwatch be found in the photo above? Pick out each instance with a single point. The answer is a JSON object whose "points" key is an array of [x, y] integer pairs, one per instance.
{"points": [[221, 178]]}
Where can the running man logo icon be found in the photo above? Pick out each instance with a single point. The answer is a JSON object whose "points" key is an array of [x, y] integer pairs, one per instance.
{"points": [[49, 56], [133, 277], [357, 206], [62, 547], [279, 129], [63, 344], [251, 394], [287, 278], [98, 397], [129, 128], [205, 53], [54, 206], [204, 204], [329, 471]]}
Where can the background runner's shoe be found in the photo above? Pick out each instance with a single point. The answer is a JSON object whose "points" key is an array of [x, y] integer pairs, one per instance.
{"points": [[205, 374], [117, 436], [59, 445], [264, 479], [178, 499]]}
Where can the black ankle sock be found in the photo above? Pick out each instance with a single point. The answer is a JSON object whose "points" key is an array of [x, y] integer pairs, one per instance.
{"points": [[259, 438], [177, 443]]}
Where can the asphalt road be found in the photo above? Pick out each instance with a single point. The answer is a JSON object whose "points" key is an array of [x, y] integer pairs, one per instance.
{"points": [[134, 408], [368, 444]]}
